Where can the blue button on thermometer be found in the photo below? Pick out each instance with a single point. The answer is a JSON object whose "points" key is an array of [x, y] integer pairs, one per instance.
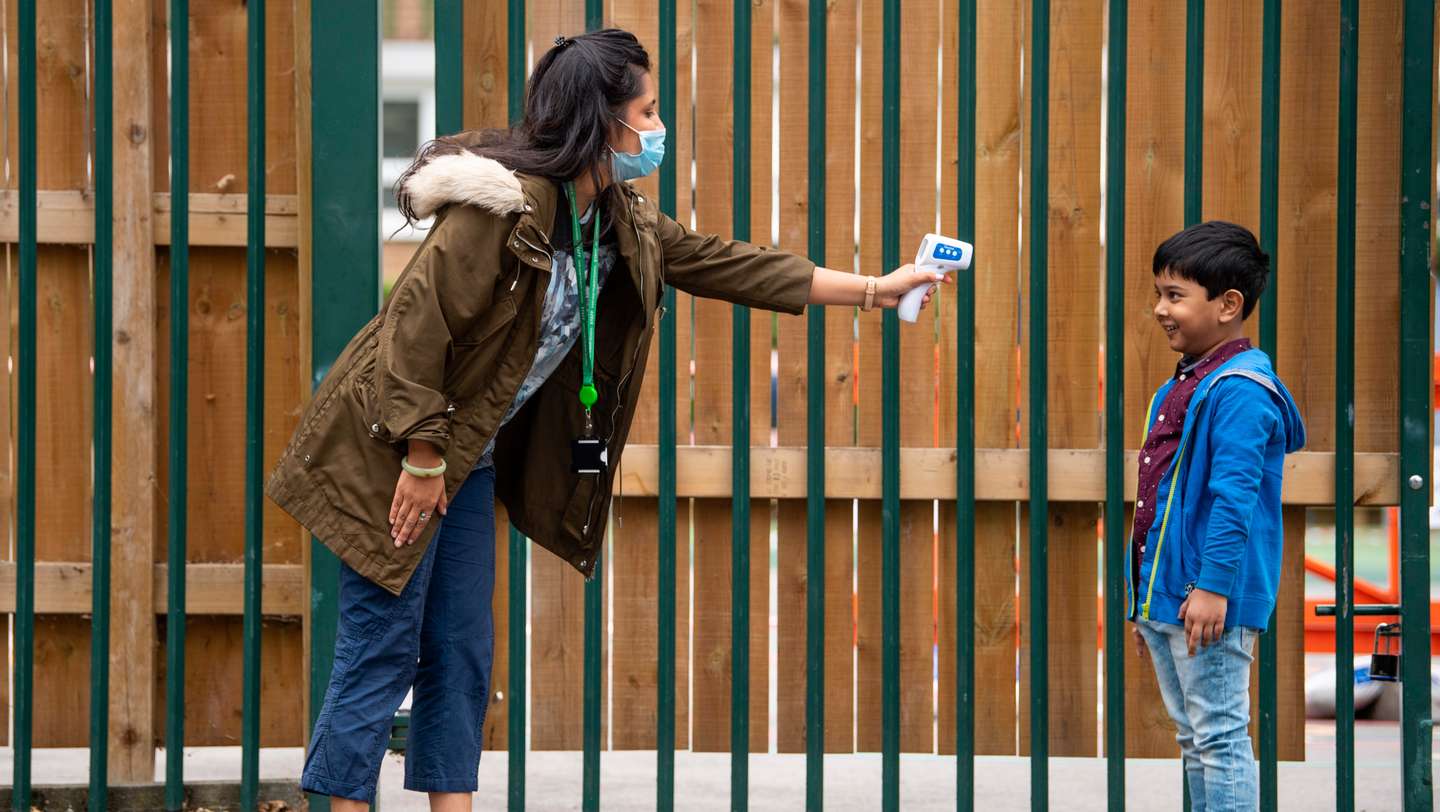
{"points": [[937, 254]]}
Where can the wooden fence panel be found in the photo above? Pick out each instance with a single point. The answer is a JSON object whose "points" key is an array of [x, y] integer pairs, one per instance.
{"points": [[1075, 262]]}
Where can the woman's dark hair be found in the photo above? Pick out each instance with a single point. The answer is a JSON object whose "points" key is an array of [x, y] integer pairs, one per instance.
{"points": [[1218, 256], [572, 100]]}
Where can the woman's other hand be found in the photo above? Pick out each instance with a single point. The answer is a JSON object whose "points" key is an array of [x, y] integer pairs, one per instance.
{"points": [[416, 498], [891, 287]]}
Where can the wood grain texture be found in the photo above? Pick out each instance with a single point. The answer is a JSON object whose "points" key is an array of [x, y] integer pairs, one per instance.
{"points": [[996, 275]]}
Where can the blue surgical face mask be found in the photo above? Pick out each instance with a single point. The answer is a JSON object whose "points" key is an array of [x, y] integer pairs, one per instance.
{"points": [[629, 166]]}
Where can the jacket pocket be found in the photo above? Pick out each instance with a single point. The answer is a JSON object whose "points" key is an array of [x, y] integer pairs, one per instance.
{"points": [[499, 317]]}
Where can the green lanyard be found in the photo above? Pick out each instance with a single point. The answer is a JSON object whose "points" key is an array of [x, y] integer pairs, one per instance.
{"points": [[588, 279]]}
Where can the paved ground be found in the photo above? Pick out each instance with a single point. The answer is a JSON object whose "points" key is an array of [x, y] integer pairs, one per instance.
{"points": [[777, 782]]}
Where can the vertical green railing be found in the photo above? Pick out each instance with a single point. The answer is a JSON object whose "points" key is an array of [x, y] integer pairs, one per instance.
{"points": [[1039, 412], [103, 269], [815, 426], [1117, 544], [449, 66], [890, 417], [740, 436], [254, 401], [666, 577], [965, 111], [345, 249], [594, 602], [24, 678], [1417, 180], [1269, 230], [519, 545], [1345, 413], [1194, 164], [179, 411]]}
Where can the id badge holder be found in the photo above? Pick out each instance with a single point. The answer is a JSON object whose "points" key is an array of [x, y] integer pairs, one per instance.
{"points": [[588, 455]]}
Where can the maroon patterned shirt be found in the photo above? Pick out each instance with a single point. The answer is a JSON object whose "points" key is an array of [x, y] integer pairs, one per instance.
{"points": [[1163, 438]]}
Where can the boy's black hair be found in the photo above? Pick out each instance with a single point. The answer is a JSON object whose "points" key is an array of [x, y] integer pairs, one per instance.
{"points": [[1218, 256]]}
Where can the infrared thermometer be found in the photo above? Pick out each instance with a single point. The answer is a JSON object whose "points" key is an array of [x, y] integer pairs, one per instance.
{"points": [[937, 254]]}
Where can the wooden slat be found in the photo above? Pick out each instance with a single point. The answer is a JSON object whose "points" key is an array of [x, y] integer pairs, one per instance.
{"points": [[215, 643], [63, 588], [867, 386], [217, 337], [840, 375], [1377, 229], [135, 502], [9, 311], [762, 337], [793, 378], [998, 204], [919, 45], [1154, 189], [1076, 474], [65, 396], [712, 364], [557, 656], [684, 121], [496, 733], [68, 217], [1075, 267], [485, 103]]}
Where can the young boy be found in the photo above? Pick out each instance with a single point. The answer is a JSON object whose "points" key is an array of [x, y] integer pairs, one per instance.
{"points": [[1205, 557]]}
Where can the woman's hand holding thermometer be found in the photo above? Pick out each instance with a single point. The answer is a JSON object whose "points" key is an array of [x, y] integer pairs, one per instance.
{"points": [[937, 255]]}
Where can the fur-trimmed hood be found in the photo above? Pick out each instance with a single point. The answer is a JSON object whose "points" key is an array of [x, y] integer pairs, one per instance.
{"points": [[462, 177]]}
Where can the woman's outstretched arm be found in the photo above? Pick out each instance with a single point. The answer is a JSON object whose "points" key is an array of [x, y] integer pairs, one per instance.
{"points": [[831, 287]]}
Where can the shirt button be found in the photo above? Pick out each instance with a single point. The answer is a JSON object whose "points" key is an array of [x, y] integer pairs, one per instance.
{"points": [[1162, 418], [1147, 460], [1182, 377], [1140, 504]]}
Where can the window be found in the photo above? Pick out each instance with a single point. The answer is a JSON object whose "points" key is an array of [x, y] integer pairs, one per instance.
{"points": [[402, 128]]}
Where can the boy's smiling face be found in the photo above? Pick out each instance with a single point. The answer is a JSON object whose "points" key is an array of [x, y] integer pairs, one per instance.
{"points": [[1194, 324]]}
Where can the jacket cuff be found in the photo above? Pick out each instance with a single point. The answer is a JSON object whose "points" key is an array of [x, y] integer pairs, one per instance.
{"points": [[1217, 578], [436, 431], [793, 289]]}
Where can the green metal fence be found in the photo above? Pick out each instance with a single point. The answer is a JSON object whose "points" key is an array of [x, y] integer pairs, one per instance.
{"points": [[342, 238]]}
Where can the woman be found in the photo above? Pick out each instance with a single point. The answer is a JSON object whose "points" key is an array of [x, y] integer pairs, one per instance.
{"points": [[506, 362]]}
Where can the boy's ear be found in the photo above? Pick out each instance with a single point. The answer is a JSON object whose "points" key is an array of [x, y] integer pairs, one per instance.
{"points": [[1232, 305]]}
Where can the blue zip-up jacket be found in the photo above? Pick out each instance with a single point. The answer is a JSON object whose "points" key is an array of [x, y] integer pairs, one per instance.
{"points": [[1218, 524]]}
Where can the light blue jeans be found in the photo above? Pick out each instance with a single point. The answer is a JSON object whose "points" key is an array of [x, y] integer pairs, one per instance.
{"points": [[1208, 697]]}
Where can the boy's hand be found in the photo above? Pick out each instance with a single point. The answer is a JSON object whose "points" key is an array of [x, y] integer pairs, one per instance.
{"points": [[1140, 647], [1204, 616]]}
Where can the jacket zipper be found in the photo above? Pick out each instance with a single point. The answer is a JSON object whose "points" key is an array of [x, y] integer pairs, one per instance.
{"points": [[1174, 481], [619, 391]]}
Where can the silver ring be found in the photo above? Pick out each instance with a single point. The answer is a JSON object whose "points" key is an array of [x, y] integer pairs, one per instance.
{"points": [[424, 515]]}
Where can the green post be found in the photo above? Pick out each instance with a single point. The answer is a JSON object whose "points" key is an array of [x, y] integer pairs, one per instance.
{"points": [[1269, 207], [666, 578], [345, 246], [25, 447], [965, 110], [890, 418], [179, 405], [104, 275], [740, 437], [1416, 413], [1039, 411], [519, 545], [1194, 108], [254, 403], [1117, 545], [594, 618], [1345, 414], [449, 66], [815, 430]]}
